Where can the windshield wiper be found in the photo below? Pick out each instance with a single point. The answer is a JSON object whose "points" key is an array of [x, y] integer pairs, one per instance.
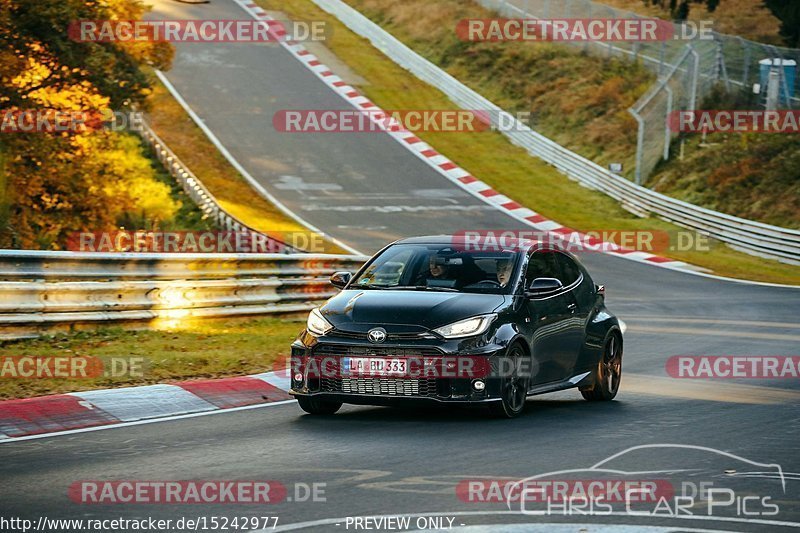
{"points": [[420, 288]]}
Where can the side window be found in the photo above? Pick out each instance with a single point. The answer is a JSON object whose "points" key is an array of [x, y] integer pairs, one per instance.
{"points": [[542, 264], [568, 270]]}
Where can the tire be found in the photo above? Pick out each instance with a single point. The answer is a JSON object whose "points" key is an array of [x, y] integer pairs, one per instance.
{"points": [[513, 389], [313, 406], [608, 375]]}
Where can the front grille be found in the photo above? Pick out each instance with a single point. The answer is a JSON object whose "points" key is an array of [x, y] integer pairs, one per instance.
{"points": [[389, 336], [381, 351], [380, 386]]}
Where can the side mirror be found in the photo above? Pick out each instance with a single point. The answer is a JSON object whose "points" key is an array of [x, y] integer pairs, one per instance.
{"points": [[341, 279], [541, 287]]}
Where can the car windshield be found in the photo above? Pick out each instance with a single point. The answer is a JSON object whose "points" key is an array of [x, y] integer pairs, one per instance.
{"points": [[439, 267]]}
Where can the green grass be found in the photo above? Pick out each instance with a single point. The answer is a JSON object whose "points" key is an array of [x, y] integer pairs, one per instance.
{"points": [[188, 217], [509, 169], [207, 349], [755, 175]]}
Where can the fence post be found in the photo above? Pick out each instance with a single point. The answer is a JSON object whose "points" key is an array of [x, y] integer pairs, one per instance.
{"points": [[773, 89], [695, 78], [639, 145], [588, 16], [746, 73], [720, 72], [667, 132]]}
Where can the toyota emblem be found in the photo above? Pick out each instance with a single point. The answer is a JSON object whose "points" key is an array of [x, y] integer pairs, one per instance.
{"points": [[376, 335]]}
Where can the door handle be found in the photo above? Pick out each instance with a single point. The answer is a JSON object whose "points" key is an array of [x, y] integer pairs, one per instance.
{"points": [[572, 307]]}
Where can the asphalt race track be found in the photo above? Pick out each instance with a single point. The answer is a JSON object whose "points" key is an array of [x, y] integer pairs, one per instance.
{"points": [[366, 190]]}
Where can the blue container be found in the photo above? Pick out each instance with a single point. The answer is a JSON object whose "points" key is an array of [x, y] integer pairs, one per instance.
{"points": [[789, 67]]}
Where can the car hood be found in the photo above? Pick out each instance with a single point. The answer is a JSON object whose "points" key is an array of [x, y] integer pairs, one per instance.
{"points": [[358, 310]]}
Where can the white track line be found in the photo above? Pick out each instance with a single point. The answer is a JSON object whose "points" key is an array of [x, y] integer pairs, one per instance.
{"points": [[142, 422]]}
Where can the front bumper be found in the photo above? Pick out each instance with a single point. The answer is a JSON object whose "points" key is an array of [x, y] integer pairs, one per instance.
{"points": [[315, 362]]}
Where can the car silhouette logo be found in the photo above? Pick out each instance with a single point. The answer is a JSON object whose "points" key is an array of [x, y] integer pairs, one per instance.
{"points": [[376, 335]]}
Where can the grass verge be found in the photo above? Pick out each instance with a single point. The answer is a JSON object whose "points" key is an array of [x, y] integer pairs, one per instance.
{"points": [[206, 349], [507, 168]]}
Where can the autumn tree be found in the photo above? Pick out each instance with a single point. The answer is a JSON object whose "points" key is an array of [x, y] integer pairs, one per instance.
{"points": [[58, 183]]}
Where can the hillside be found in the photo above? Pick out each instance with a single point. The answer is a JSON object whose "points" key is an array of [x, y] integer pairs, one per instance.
{"points": [[581, 102]]}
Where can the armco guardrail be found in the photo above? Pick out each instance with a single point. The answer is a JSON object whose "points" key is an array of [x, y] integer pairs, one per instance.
{"points": [[41, 292], [752, 237], [198, 192]]}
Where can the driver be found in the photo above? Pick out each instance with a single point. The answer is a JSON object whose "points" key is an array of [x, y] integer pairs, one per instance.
{"points": [[504, 271], [438, 270]]}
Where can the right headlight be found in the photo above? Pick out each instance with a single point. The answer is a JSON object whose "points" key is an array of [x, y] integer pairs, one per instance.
{"points": [[317, 324], [466, 328]]}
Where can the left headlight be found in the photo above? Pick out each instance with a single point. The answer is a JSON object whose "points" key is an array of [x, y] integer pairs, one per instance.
{"points": [[466, 328], [317, 324]]}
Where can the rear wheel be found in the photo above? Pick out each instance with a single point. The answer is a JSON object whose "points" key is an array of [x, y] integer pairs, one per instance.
{"points": [[513, 388], [313, 406], [609, 372]]}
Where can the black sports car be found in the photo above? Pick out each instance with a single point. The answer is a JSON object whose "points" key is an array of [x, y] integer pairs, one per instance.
{"points": [[440, 319]]}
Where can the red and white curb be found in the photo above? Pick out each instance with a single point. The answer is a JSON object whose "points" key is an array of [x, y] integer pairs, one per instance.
{"points": [[442, 164], [79, 410]]}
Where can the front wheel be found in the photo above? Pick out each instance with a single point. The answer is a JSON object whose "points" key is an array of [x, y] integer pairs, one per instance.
{"points": [[514, 388], [313, 406], [609, 372]]}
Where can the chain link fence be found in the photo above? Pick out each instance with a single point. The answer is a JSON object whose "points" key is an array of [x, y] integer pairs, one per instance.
{"points": [[688, 69]]}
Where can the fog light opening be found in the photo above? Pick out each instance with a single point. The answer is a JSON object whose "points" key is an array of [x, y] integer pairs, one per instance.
{"points": [[478, 385]]}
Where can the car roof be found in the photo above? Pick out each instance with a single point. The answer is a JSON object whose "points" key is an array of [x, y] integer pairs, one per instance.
{"points": [[466, 240], [503, 242]]}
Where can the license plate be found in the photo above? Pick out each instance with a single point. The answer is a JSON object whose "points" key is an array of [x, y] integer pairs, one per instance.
{"points": [[374, 366]]}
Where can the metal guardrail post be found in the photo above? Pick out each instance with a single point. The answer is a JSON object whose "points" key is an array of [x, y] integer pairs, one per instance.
{"points": [[41, 291]]}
